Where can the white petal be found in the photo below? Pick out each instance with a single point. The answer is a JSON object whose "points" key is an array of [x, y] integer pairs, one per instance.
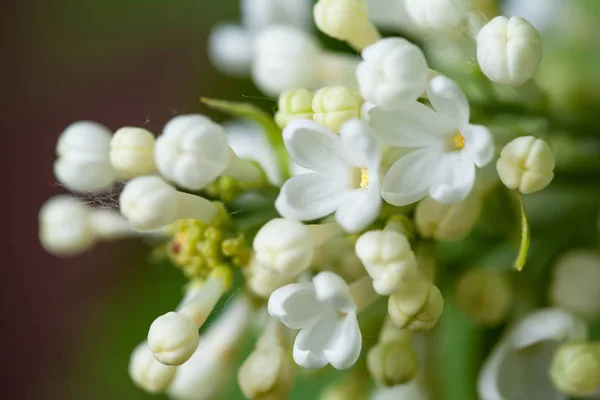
{"points": [[454, 178], [448, 100], [359, 142], [415, 125], [309, 196], [310, 343], [294, 305], [479, 143], [343, 352], [359, 208], [307, 359], [409, 179], [547, 324], [313, 146], [331, 289]]}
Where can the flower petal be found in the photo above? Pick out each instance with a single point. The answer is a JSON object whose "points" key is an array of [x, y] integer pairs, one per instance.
{"points": [[309, 196], [547, 324], [454, 178], [331, 289], [360, 144], [315, 147], [344, 350], [359, 208], [479, 143], [310, 343], [448, 100], [415, 125], [295, 305], [409, 179]]}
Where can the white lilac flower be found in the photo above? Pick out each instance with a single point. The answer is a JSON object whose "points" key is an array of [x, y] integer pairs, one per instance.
{"points": [[325, 313], [518, 367], [446, 148], [230, 49], [344, 175]]}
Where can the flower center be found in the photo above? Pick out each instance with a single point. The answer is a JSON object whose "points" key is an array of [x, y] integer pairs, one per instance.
{"points": [[364, 178], [457, 140]]}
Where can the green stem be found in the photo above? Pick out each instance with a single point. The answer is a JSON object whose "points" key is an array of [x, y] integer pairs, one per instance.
{"points": [[525, 237]]}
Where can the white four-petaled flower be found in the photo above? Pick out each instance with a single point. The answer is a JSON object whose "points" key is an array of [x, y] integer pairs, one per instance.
{"points": [[325, 313], [446, 148], [344, 177]]}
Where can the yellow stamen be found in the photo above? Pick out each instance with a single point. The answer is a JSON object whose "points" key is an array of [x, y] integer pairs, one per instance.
{"points": [[459, 140], [364, 178]]}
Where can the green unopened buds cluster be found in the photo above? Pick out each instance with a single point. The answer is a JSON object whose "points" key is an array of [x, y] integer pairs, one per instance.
{"points": [[526, 164], [132, 152], [173, 337], [575, 368]]}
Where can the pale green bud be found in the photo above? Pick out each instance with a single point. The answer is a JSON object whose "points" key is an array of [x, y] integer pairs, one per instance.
{"points": [[416, 306], [575, 369], [294, 104], [483, 295], [447, 222], [334, 105], [393, 362]]}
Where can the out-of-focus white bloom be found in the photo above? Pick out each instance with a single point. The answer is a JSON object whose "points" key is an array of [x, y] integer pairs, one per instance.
{"points": [[173, 337], [388, 259], [83, 162], [346, 20], [325, 313], [285, 58], [447, 222], [147, 373], [263, 281], [575, 284], [393, 73], [509, 51], [575, 369], [484, 295], [204, 375], [132, 152], [517, 368], [258, 14], [543, 14], [338, 256], [409, 391], [391, 14], [417, 305], [192, 151], [294, 104], [345, 177], [249, 142], [148, 202], [526, 164], [334, 105], [446, 147], [438, 14], [230, 49]]}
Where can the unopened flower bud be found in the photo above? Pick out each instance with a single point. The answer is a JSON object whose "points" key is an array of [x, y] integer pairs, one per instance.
{"points": [[263, 281], [417, 306], [192, 151], [132, 152], [447, 222], [575, 284], [147, 373], [339, 256], [484, 295], [148, 202], [575, 368], [351, 387], [526, 164], [346, 20], [509, 51], [293, 104], [83, 162], [230, 49], [284, 58], [334, 105], [388, 259], [438, 14], [393, 73]]}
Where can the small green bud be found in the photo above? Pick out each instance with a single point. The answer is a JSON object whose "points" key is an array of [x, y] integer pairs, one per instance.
{"points": [[294, 104], [393, 362], [416, 306], [575, 369], [332, 106], [484, 295]]}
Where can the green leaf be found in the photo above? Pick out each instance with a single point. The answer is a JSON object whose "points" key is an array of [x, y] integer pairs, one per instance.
{"points": [[251, 112], [525, 239]]}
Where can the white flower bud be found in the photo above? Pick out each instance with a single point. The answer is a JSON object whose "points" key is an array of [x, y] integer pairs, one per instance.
{"points": [[447, 222], [132, 152], [438, 14], [65, 227], [575, 369], [388, 259], [393, 361], [148, 202], [263, 281], [526, 164], [230, 49], [509, 51], [393, 73], [285, 58], [294, 104], [346, 20], [284, 246], [484, 295], [83, 162], [334, 105], [173, 338], [192, 151], [416, 306], [575, 284], [147, 373], [258, 14]]}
